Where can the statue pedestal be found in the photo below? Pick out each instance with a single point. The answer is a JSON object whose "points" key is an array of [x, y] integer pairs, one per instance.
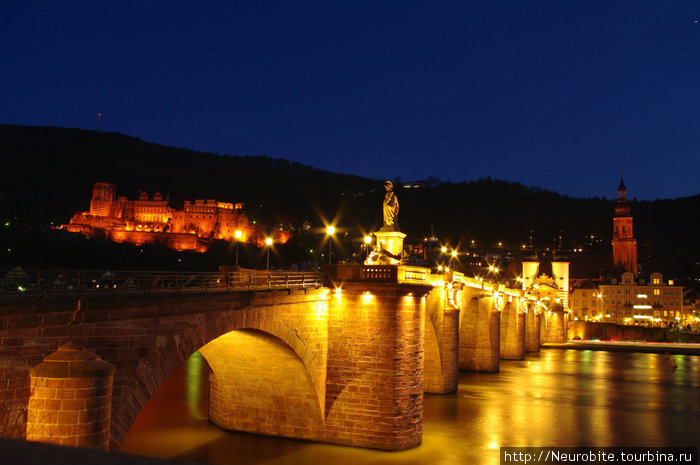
{"points": [[391, 241]]}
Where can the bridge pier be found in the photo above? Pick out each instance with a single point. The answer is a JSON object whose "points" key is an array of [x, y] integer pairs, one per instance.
{"points": [[479, 332], [441, 343], [553, 326], [532, 329], [374, 394], [70, 399], [512, 339]]}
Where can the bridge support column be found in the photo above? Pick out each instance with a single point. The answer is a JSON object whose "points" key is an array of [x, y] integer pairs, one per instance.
{"points": [[553, 326], [532, 330], [374, 394], [479, 334], [71, 399], [512, 332], [441, 344]]}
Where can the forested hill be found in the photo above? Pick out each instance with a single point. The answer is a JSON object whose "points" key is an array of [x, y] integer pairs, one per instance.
{"points": [[48, 174]]}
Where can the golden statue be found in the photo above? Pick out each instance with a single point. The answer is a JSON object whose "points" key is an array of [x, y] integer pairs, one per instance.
{"points": [[390, 208]]}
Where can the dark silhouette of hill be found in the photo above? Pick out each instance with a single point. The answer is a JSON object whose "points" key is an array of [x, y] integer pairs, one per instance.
{"points": [[48, 174]]}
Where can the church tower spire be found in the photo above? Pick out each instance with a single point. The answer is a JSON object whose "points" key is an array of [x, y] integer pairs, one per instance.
{"points": [[624, 244]]}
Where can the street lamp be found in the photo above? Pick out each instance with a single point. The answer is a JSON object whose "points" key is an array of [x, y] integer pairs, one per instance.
{"points": [[330, 230], [454, 255], [237, 234], [268, 243], [368, 242]]}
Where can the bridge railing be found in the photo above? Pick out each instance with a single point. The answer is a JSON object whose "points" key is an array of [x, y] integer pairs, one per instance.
{"points": [[55, 281], [380, 273], [20, 281], [266, 280]]}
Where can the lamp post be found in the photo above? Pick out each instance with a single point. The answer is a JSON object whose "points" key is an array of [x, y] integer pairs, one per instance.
{"points": [[237, 234], [368, 242], [330, 230], [454, 255], [268, 243]]}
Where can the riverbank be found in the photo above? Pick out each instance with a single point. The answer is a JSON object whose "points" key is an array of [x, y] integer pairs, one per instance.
{"points": [[679, 348]]}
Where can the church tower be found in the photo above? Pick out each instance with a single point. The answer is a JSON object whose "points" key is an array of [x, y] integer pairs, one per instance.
{"points": [[624, 244]]}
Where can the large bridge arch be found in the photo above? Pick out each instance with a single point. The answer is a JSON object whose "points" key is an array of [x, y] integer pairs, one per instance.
{"points": [[260, 385], [297, 321]]}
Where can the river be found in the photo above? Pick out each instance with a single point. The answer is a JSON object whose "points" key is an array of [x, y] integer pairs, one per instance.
{"points": [[553, 398]]}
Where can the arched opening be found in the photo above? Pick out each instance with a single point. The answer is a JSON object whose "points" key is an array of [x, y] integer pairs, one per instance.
{"points": [[260, 385], [244, 380]]}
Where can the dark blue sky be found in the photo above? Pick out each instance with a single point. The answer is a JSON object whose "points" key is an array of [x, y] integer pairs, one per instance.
{"points": [[556, 94]]}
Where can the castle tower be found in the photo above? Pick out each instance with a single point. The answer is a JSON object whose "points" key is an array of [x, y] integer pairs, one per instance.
{"points": [[102, 199], [624, 244]]}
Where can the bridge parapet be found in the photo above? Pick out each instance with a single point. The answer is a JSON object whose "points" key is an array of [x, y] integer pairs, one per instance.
{"points": [[398, 274], [268, 280], [20, 286]]}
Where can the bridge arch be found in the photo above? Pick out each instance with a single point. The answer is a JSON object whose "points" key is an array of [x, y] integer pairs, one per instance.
{"points": [[260, 385], [290, 327]]}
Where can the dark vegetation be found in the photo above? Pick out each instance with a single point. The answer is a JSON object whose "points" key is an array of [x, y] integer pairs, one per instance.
{"points": [[48, 173]]}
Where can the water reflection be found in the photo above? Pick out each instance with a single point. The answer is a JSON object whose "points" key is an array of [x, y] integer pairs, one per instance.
{"points": [[554, 398]]}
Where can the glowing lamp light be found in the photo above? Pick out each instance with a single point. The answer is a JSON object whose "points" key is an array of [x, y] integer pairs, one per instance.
{"points": [[444, 249], [330, 230], [268, 241], [368, 240], [454, 253], [238, 234]]}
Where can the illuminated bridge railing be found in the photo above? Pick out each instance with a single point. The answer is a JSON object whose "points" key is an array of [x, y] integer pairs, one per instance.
{"points": [[380, 273], [39, 282], [251, 280]]}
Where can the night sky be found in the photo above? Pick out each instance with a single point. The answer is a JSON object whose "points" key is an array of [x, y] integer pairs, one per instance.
{"points": [[556, 94]]}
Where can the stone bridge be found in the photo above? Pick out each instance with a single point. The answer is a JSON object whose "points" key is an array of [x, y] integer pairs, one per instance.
{"points": [[345, 362]]}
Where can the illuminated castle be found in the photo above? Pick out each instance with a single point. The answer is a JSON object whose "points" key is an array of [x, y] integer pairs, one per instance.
{"points": [[154, 221]]}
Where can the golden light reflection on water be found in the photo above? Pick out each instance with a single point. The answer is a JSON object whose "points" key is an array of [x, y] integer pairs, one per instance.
{"points": [[554, 398]]}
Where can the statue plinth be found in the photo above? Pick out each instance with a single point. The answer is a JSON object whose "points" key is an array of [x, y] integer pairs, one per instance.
{"points": [[391, 241]]}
